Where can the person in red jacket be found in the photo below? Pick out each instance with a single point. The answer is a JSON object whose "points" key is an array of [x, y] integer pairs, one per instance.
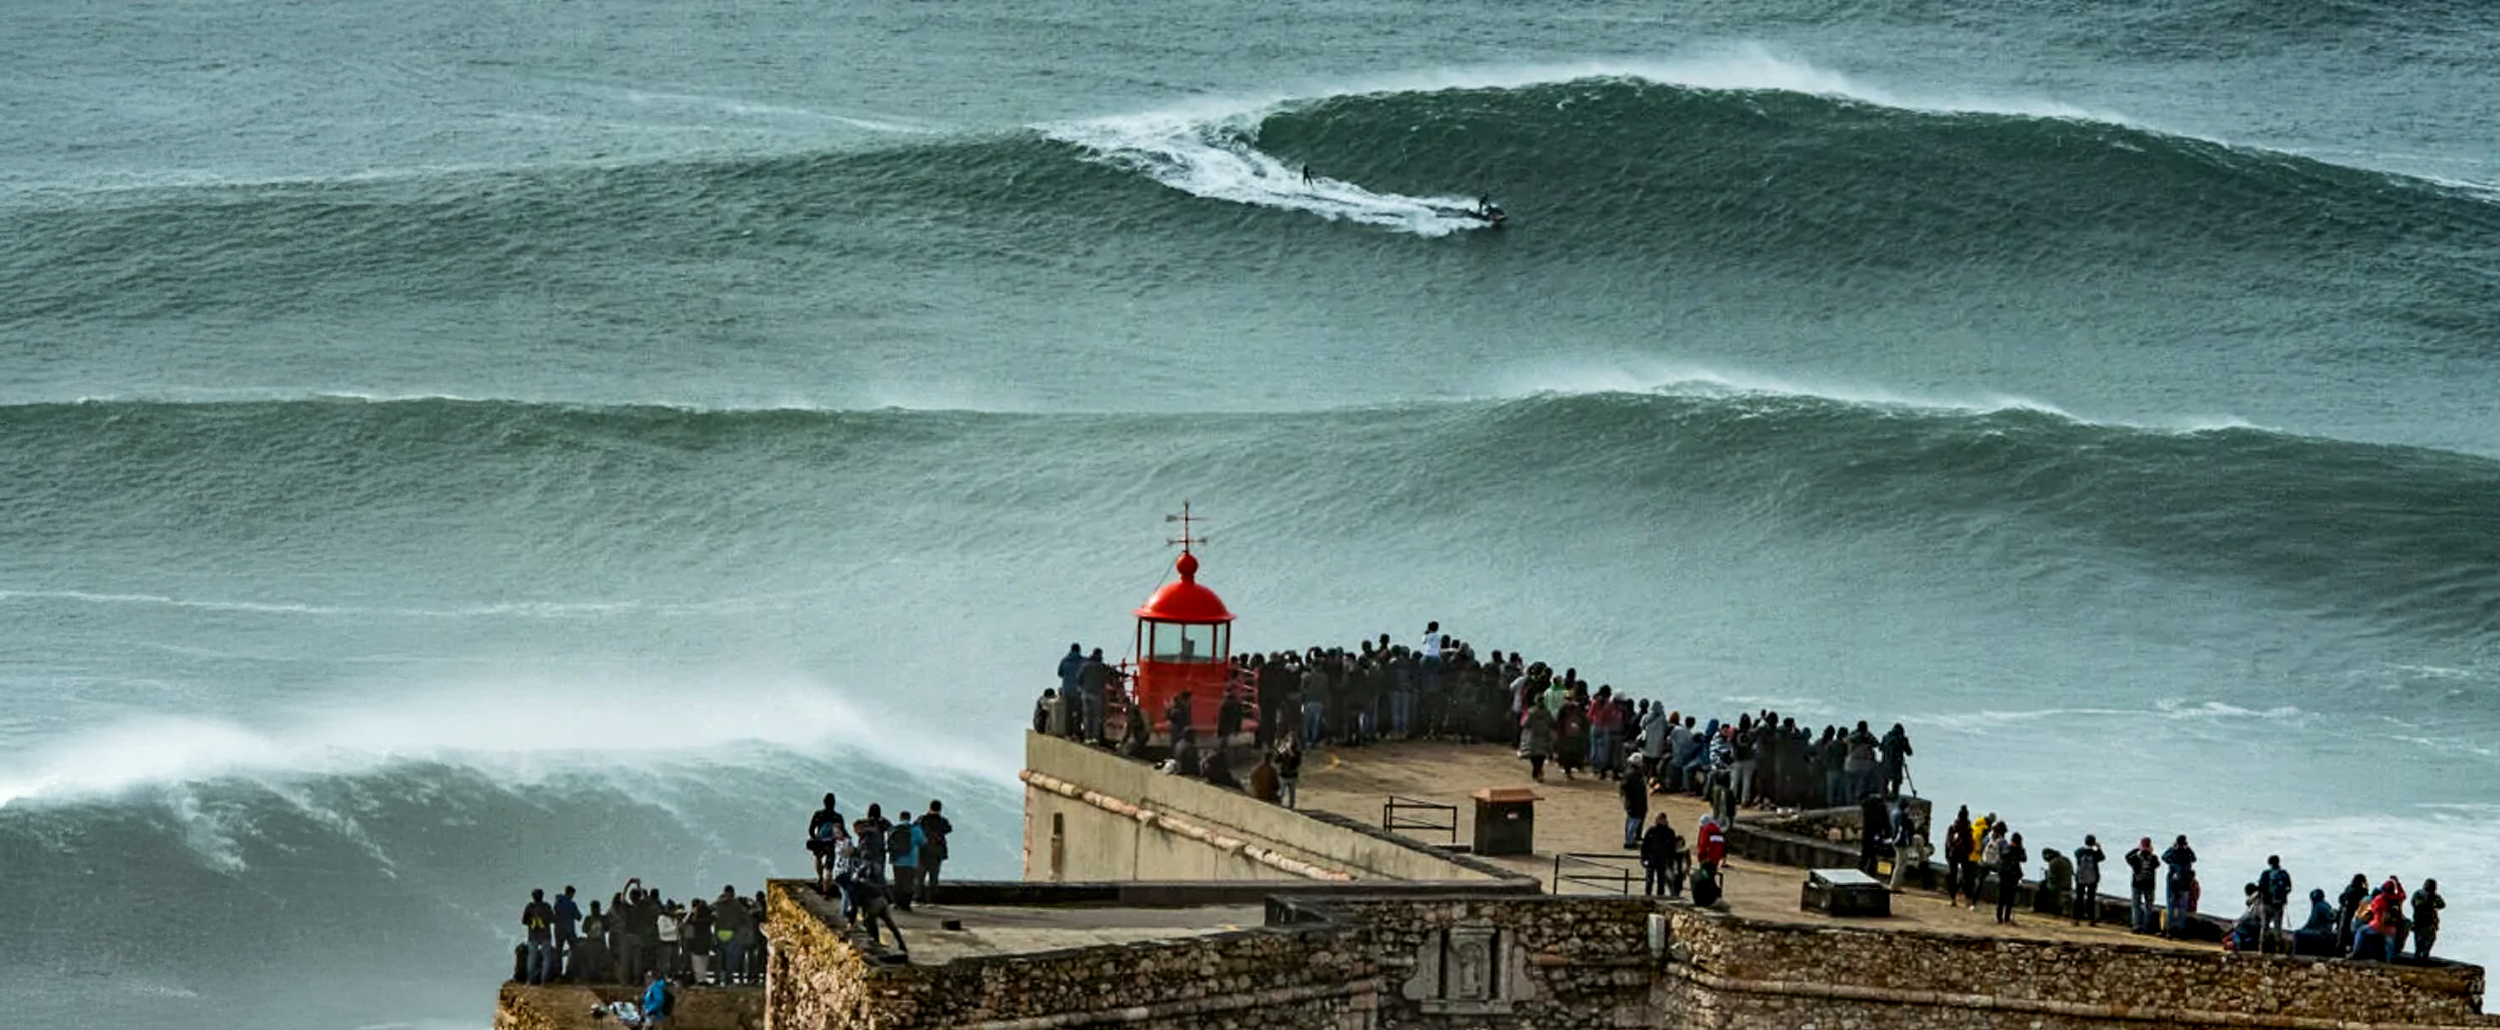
{"points": [[1713, 849]]}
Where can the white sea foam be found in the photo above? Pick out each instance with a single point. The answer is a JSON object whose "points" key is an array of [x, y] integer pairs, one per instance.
{"points": [[1653, 377], [520, 729], [1737, 67], [1214, 158], [2167, 709], [1673, 379]]}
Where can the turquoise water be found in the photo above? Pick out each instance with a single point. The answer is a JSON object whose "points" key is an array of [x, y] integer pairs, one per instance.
{"points": [[494, 446]]}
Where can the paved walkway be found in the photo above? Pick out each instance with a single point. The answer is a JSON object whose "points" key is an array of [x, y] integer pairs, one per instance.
{"points": [[984, 930], [1586, 816]]}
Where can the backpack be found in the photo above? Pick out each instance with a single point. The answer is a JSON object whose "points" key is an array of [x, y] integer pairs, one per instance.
{"points": [[898, 841], [2276, 885]]}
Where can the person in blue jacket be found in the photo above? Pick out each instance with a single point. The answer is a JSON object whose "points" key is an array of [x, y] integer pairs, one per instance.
{"points": [[657, 1002]]}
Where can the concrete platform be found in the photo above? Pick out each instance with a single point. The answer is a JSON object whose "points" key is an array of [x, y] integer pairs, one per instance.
{"points": [[1586, 816], [992, 930]]}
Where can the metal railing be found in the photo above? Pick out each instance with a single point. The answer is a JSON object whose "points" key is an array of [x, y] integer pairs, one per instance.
{"points": [[1597, 871], [1442, 818]]}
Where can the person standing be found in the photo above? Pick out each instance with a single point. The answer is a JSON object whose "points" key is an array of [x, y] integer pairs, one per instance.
{"points": [[591, 965], [1071, 673], [1430, 649], [2274, 891], [538, 921], [2010, 856], [2182, 885], [1977, 869], [568, 922], [696, 933], [626, 915], [2426, 906], [1605, 733], [2348, 907], [902, 848], [1537, 739], [1874, 831], [1909, 843], [1093, 683], [2145, 868], [1659, 860], [933, 830], [1743, 752], [824, 834], [733, 931], [1859, 765], [2088, 860], [1957, 852], [1314, 705], [1897, 753], [1635, 791], [1288, 771]]}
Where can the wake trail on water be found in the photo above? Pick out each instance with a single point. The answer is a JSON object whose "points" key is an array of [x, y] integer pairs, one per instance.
{"points": [[1217, 159]]}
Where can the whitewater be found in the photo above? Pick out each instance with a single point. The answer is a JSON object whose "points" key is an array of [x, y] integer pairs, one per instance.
{"points": [[493, 448]]}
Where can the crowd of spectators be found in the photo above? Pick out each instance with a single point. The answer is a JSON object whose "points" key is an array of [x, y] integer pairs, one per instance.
{"points": [[639, 935]]}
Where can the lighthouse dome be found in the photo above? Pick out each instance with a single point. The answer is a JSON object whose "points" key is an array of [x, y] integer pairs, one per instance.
{"points": [[1185, 600]]}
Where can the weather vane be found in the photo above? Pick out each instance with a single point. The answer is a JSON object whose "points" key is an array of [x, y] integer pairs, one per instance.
{"points": [[1188, 537]]}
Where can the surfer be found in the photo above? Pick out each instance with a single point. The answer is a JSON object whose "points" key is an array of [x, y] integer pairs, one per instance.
{"points": [[1306, 175]]}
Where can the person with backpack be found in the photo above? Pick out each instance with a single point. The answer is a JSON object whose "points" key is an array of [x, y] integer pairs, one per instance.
{"points": [[2274, 891], [824, 833], [2010, 857], [539, 920], [2088, 859], [659, 1001], [902, 848], [933, 828]]}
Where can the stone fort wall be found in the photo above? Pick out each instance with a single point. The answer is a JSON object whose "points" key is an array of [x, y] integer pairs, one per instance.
{"points": [[1381, 962], [1368, 931]]}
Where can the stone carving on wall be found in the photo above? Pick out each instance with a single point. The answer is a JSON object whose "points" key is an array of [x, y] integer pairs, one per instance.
{"points": [[1468, 969]]}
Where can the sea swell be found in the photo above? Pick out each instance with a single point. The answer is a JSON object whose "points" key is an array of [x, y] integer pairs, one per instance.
{"points": [[2399, 536], [1759, 161]]}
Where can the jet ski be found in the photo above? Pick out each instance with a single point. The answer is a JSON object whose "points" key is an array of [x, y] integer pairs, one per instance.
{"points": [[1485, 211]]}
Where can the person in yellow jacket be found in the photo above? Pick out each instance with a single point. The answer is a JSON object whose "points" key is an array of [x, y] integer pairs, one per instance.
{"points": [[1973, 870]]}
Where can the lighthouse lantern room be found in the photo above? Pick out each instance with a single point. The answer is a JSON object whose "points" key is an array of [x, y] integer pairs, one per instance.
{"points": [[1184, 644]]}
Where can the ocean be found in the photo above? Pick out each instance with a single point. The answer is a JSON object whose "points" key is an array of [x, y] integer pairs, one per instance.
{"points": [[461, 447]]}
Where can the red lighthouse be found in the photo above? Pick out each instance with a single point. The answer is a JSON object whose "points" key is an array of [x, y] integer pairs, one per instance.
{"points": [[1184, 645]]}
